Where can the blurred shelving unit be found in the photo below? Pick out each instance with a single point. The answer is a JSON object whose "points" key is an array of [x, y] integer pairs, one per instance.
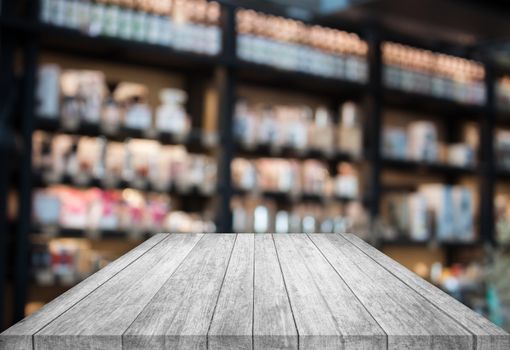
{"points": [[22, 32]]}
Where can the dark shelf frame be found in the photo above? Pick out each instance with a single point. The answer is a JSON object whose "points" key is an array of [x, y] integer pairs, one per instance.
{"points": [[8, 85], [24, 32]]}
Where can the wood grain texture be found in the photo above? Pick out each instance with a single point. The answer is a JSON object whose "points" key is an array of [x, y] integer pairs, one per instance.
{"points": [[408, 319], [100, 319], [274, 327], [254, 292], [323, 321], [179, 315], [232, 323], [487, 335], [20, 335]]}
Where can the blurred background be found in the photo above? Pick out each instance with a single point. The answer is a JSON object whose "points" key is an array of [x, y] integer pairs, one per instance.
{"points": [[386, 118]]}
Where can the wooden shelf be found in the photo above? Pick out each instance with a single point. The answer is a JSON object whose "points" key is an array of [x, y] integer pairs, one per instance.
{"points": [[193, 192], [293, 198], [272, 77], [407, 242], [193, 141], [425, 167], [503, 119], [503, 174], [120, 50], [288, 152], [437, 106], [192, 286]]}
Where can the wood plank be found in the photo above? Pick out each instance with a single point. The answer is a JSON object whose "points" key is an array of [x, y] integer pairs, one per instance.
{"points": [[179, 315], [327, 314], [232, 322], [99, 320], [488, 335], [273, 324], [408, 319], [19, 336]]}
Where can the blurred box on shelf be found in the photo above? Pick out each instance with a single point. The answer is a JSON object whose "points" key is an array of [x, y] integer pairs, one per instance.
{"points": [[83, 92], [346, 182], [255, 214], [64, 261], [295, 178], [502, 217], [461, 154], [60, 263], [47, 92], [418, 220], [423, 141], [395, 209], [395, 143], [132, 98], [436, 211], [350, 132], [503, 93], [299, 128], [171, 115], [439, 199], [502, 148], [420, 142]]}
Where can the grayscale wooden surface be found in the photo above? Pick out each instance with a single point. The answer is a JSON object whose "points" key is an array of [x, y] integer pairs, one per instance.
{"points": [[262, 291]]}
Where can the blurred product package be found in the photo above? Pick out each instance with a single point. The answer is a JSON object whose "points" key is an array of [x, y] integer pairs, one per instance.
{"points": [[138, 163], [436, 211], [299, 128], [65, 261], [420, 142], [502, 211], [503, 93], [256, 214], [131, 211], [295, 178], [83, 98], [395, 143], [423, 141], [502, 148]]}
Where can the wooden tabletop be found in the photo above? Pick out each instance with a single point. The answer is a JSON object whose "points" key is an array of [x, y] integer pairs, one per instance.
{"points": [[245, 291]]}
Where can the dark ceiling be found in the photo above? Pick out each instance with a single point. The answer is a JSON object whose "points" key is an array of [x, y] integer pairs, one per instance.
{"points": [[462, 22]]}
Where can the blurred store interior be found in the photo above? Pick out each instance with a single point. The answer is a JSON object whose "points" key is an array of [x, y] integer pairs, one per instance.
{"points": [[389, 119]]}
